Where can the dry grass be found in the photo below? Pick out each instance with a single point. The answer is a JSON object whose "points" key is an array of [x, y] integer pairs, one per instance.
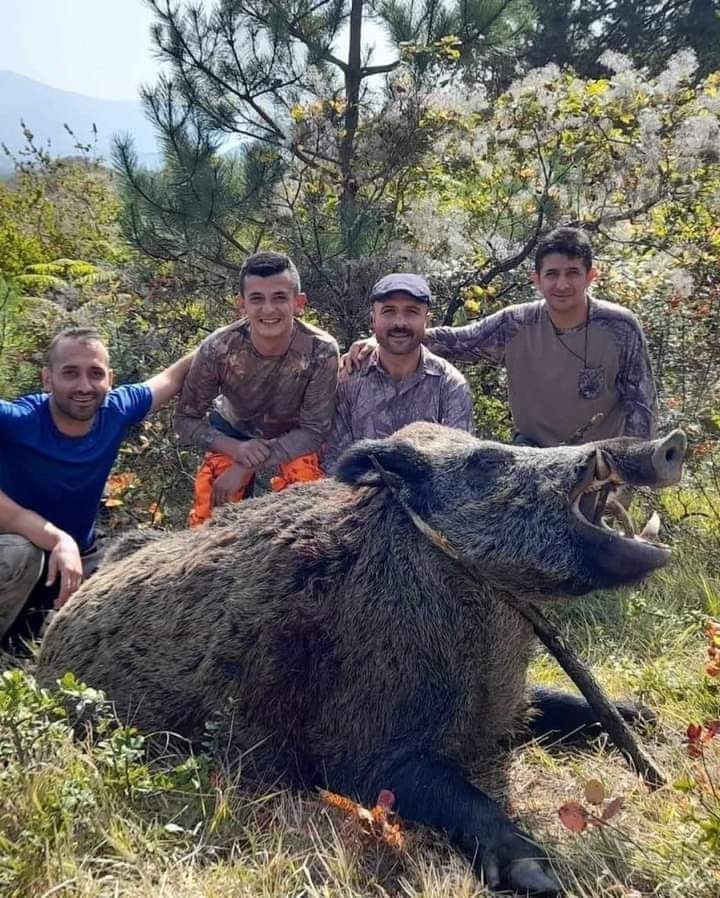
{"points": [[70, 825]]}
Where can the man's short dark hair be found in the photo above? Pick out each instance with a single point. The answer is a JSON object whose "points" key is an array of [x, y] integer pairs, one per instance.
{"points": [[81, 334], [265, 265], [571, 242]]}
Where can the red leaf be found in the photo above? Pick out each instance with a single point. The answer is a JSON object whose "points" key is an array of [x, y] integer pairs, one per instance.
{"points": [[694, 731], [612, 809], [574, 816], [386, 799], [713, 728]]}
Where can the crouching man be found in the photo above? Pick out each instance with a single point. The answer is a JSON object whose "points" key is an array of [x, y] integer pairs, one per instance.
{"points": [[268, 382], [56, 451]]}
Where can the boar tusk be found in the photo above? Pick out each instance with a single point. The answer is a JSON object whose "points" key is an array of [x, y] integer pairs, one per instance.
{"points": [[602, 468], [652, 528]]}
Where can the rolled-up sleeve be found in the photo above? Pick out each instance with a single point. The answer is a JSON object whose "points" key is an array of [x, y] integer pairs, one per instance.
{"points": [[200, 388], [316, 413]]}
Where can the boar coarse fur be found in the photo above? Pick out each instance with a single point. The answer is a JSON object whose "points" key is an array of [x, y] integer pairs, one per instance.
{"points": [[355, 655]]}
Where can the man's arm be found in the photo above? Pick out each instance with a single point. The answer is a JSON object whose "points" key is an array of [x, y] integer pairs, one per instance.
{"points": [[64, 558], [168, 383], [636, 386], [316, 416], [458, 405], [201, 386], [484, 339], [341, 436]]}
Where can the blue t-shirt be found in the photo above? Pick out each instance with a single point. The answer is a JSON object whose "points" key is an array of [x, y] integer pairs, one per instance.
{"points": [[62, 477]]}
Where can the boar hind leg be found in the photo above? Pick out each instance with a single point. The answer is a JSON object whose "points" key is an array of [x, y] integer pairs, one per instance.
{"points": [[433, 791], [561, 716]]}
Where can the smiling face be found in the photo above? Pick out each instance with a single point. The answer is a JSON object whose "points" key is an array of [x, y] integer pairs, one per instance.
{"points": [[78, 378], [399, 322], [563, 281], [270, 304]]}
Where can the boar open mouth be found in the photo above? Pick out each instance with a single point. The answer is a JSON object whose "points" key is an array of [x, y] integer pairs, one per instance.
{"points": [[596, 503]]}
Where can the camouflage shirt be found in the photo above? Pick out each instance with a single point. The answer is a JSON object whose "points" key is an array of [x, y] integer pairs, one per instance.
{"points": [[371, 403], [594, 381], [288, 399]]}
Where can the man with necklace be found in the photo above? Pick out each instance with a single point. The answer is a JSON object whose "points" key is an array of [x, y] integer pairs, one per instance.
{"points": [[578, 368]]}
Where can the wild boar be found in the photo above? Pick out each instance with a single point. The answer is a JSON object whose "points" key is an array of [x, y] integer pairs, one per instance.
{"points": [[355, 654]]}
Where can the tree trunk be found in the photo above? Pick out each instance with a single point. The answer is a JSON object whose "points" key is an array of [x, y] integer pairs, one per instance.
{"points": [[353, 79]]}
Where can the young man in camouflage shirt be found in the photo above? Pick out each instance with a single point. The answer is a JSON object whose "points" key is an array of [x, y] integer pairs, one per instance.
{"points": [[269, 382], [400, 381], [578, 368]]}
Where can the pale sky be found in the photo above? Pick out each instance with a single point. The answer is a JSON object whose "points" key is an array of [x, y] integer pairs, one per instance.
{"points": [[100, 48]]}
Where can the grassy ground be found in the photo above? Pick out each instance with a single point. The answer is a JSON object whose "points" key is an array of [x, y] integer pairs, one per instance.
{"points": [[94, 819]]}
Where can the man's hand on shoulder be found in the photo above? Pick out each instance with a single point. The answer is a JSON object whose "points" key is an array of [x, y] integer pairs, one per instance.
{"points": [[65, 563], [359, 350]]}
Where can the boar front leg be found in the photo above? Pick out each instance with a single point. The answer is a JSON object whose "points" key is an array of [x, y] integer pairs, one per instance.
{"points": [[433, 791]]}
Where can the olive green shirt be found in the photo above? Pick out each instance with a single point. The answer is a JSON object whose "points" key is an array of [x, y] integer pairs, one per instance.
{"points": [[588, 383]]}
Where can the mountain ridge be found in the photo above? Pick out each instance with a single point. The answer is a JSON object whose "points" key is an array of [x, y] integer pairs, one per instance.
{"points": [[46, 110]]}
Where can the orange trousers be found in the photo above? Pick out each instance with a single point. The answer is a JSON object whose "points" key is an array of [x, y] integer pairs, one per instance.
{"points": [[302, 469]]}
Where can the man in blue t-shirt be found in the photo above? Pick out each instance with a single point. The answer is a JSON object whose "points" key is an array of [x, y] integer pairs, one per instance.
{"points": [[56, 451]]}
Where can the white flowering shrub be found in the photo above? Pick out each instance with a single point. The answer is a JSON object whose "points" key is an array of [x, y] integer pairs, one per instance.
{"points": [[633, 159]]}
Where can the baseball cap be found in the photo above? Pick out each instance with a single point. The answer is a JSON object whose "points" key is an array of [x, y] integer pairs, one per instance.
{"points": [[412, 284]]}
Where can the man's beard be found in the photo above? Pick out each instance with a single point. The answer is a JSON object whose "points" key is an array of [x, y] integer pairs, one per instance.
{"points": [[386, 343], [78, 412]]}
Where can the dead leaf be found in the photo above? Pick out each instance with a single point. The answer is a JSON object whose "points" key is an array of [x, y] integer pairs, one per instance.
{"points": [[118, 483], [693, 732], [369, 824], [156, 512], [594, 792], [574, 816], [341, 802], [612, 809], [713, 728]]}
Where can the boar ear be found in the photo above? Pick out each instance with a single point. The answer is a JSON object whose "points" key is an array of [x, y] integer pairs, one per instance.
{"points": [[401, 460]]}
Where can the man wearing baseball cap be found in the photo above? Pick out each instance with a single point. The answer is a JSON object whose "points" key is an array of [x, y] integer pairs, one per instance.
{"points": [[400, 381]]}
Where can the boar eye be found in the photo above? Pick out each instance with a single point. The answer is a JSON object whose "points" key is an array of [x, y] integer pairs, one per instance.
{"points": [[485, 463]]}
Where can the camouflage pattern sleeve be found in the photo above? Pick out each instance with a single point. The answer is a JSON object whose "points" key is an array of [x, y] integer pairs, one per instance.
{"points": [[484, 339], [636, 385], [200, 388], [316, 413], [458, 405], [341, 435]]}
